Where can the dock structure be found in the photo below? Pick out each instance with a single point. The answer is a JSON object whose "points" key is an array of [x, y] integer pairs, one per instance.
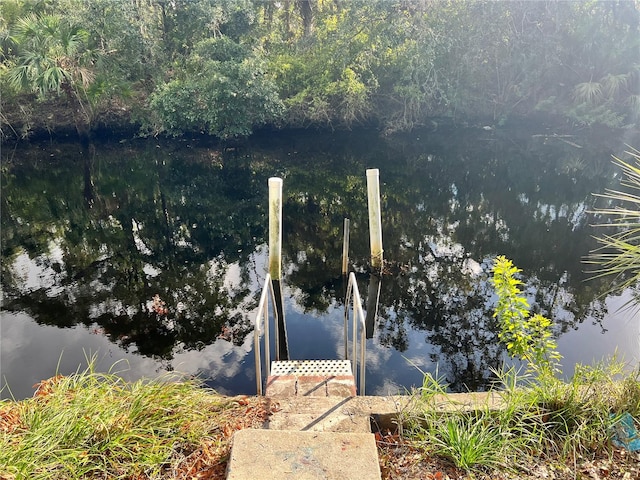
{"points": [[314, 439], [319, 431]]}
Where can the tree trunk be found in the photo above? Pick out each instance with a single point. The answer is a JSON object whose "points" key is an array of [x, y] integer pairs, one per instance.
{"points": [[306, 12]]}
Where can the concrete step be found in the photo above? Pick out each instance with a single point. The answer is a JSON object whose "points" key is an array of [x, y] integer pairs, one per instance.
{"points": [[331, 414], [328, 437], [364, 414], [310, 378], [303, 455], [318, 414]]}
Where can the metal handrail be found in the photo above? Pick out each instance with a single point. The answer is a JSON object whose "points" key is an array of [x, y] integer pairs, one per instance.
{"points": [[263, 312], [353, 296], [358, 324]]}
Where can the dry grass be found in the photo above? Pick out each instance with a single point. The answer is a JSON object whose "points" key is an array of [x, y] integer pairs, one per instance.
{"points": [[91, 425]]}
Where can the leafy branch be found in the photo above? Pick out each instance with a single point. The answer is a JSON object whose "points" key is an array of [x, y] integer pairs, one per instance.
{"points": [[527, 337]]}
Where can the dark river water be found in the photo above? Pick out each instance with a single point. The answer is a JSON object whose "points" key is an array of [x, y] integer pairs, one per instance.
{"points": [[149, 255]]}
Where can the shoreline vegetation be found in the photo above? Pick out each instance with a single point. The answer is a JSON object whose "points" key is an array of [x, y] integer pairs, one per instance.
{"points": [[228, 68], [94, 425]]}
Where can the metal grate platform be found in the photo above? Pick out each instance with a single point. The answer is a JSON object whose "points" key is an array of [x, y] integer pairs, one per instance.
{"points": [[309, 368]]}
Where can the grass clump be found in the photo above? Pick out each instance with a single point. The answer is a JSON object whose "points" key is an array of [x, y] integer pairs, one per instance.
{"points": [[522, 426], [468, 441], [93, 425], [532, 416]]}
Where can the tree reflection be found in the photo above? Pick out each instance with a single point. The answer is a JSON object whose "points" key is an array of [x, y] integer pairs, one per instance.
{"points": [[146, 235], [155, 243], [448, 209]]}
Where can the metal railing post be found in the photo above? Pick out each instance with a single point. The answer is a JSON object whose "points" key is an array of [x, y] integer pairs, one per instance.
{"points": [[358, 324], [263, 314]]}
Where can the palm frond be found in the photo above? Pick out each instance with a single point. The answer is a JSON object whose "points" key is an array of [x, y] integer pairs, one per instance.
{"points": [[612, 85], [26, 26], [618, 254], [587, 92], [53, 53], [633, 102]]}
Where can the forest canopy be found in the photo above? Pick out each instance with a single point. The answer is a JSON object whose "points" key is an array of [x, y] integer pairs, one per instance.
{"points": [[226, 67]]}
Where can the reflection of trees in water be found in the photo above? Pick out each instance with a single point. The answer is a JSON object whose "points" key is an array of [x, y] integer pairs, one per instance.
{"points": [[149, 233], [444, 210], [183, 225]]}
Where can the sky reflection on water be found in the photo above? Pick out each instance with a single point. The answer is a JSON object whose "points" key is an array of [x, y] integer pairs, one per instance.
{"points": [[188, 226]]}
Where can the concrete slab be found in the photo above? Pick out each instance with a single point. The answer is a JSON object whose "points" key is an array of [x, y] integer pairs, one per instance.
{"points": [[310, 386], [290, 455], [357, 414], [319, 414], [313, 378]]}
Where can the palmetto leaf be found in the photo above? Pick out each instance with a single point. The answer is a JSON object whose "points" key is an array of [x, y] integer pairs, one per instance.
{"points": [[18, 77], [619, 253], [53, 53], [613, 84], [54, 77], [587, 92], [27, 26]]}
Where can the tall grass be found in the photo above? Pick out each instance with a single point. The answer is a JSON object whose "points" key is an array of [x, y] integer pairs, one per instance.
{"points": [[472, 438], [92, 425], [551, 419]]}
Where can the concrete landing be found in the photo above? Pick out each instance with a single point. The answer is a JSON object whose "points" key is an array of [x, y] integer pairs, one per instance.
{"points": [[329, 437], [291, 455], [332, 414], [310, 378], [359, 414]]}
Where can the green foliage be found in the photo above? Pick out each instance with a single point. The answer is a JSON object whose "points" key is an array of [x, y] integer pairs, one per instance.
{"points": [[327, 78], [174, 103], [578, 417], [91, 425], [527, 337], [226, 92], [619, 253], [341, 64], [514, 427], [469, 442], [53, 54]]}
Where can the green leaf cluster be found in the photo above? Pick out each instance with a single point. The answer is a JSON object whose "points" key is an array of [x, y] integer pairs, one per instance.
{"points": [[395, 65], [224, 90], [528, 337]]}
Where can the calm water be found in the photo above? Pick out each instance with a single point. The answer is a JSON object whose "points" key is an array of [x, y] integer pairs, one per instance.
{"points": [[150, 254]]}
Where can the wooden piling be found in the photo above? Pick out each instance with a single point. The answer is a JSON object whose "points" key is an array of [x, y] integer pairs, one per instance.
{"points": [[375, 240], [345, 282], [373, 298], [345, 249], [375, 222], [275, 264]]}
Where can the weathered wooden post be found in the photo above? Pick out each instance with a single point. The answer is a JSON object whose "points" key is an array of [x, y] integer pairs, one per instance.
{"points": [[375, 223], [375, 240], [345, 250], [275, 264]]}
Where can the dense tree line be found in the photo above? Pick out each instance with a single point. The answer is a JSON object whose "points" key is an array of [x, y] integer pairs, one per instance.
{"points": [[225, 67]]}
